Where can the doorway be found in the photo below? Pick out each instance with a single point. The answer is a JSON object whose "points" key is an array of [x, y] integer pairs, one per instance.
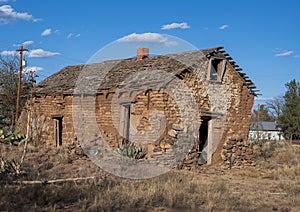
{"points": [[204, 141], [203, 133], [57, 119]]}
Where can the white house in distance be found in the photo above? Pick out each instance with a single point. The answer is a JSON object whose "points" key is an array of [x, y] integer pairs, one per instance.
{"points": [[265, 130]]}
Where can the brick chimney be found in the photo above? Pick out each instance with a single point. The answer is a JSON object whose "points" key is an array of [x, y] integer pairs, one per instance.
{"points": [[142, 53]]}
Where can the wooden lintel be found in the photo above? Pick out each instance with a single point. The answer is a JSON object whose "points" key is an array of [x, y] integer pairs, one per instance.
{"points": [[210, 113], [57, 116]]}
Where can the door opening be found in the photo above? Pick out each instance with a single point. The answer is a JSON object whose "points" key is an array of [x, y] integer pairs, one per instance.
{"points": [[204, 139], [203, 133], [57, 129]]}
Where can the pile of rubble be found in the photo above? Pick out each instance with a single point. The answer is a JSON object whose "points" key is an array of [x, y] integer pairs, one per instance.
{"points": [[75, 151], [237, 153]]}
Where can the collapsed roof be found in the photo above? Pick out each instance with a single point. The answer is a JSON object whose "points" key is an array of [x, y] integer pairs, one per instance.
{"points": [[65, 81]]}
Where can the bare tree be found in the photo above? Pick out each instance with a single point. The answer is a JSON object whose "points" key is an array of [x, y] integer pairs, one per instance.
{"points": [[275, 106], [9, 67], [261, 114], [8, 90]]}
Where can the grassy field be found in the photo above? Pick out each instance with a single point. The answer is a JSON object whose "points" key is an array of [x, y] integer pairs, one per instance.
{"points": [[273, 185]]}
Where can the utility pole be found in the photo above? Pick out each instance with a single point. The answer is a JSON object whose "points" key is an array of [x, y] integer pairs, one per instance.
{"points": [[21, 49], [258, 122]]}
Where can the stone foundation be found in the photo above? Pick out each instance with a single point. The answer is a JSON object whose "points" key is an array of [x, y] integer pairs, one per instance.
{"points": [[237, 153]]}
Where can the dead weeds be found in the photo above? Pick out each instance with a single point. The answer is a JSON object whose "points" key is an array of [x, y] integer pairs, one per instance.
{"points": [[273, 185]]}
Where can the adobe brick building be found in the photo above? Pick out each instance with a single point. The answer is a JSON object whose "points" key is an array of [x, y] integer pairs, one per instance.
{"points": [[146, 101]]}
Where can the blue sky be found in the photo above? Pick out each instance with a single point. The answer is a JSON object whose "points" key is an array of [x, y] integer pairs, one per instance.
{"points": [[261, 36]]}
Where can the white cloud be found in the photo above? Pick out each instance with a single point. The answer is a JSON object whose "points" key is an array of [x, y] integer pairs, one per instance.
{"points": [[28, 42], [25, 43], [33, 69], [40, 53], [73, 35], [3, 1], [46, 32], [223, 27], [8, 53], [35, 53], [148, 37], [297, 56], [182, 25], [8, 14], [284, 53]]}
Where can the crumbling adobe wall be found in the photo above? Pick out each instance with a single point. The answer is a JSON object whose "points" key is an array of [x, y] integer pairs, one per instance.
{"points": [[42, 125], [231, 98], [239, 105], [152, 115]]}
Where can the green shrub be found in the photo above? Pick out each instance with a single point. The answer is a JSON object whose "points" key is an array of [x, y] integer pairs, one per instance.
{"points": [[131, 151], [12, 137]]}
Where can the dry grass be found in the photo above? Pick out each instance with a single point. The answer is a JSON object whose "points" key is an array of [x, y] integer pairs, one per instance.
{"points": [[173, 191], [274, 185]]}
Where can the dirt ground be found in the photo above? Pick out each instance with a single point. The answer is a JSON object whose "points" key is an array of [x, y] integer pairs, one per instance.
{"points": [[66, 180]]}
